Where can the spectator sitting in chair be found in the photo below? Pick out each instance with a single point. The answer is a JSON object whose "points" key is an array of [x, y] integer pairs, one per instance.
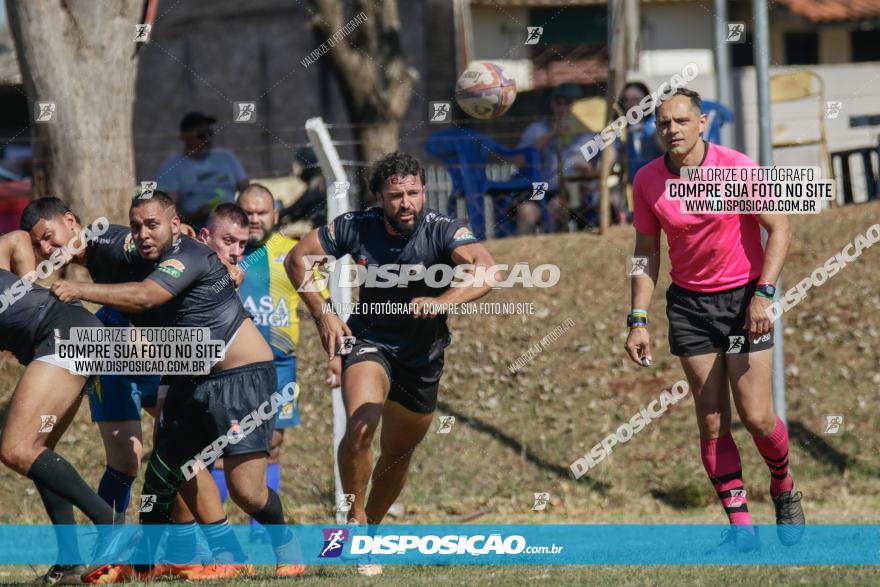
{"points": [[556, 141], [201, 177], [643, 146]]}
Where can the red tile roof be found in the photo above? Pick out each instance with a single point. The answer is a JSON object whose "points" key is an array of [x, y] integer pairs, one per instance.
{"points": [[832, 10]]}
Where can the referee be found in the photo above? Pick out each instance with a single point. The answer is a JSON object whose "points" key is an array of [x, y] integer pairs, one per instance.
{"points": [[722, 284]]}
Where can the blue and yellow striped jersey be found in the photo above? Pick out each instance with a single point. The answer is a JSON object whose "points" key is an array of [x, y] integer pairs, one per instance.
{"points": [[269, 295]]}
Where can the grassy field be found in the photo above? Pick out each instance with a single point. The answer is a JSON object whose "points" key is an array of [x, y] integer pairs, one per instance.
{"points": [[623, 576], [516, 434]]}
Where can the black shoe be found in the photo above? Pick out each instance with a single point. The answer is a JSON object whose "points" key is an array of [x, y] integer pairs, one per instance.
{"points": [[790, 518], [737, 539], [62, 575]]}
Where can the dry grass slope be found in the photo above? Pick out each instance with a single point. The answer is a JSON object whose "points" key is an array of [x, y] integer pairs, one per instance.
{"points": [[516, 434]]}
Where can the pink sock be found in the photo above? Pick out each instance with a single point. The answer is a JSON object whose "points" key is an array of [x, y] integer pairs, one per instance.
{"points": [[774, 449], [721, 460]]}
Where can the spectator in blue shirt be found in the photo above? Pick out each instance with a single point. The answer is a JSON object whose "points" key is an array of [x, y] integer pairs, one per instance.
{"points": [[201, 177], [558, 143], [642, 145]]}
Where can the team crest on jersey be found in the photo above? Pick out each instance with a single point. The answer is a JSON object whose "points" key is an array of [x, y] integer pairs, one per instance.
{"points": [[172, 267], [362, 261], [463, 234]]}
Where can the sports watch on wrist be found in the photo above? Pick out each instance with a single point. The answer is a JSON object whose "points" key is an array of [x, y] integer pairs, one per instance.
{"points": [[765, 289], [636, 321]]}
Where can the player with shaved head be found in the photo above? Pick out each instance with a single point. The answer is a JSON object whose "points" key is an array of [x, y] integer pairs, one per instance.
{"points": [[188, 286]]}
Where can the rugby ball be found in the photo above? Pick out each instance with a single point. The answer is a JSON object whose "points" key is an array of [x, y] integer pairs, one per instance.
{"points": [[485, 91]]}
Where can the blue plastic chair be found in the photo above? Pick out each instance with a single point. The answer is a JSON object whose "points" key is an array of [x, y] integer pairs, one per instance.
{"points": [[465, 154]]}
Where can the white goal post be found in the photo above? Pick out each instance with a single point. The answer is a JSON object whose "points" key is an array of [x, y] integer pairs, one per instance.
{"points": [[337, 203]]}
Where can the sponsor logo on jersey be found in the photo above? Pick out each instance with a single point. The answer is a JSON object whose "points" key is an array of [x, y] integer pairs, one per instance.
{"points": [[266, 312], [286, 412], [172, 267], [463, 234], [366, 349]]}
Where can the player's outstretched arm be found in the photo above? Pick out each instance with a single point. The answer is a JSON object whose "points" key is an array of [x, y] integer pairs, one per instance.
{"points": [[132, 297], [480, 262], [638, 343], [299, 264]]}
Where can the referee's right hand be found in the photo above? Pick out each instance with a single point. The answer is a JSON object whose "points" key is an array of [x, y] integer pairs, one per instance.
{"points": [[638, 345]]}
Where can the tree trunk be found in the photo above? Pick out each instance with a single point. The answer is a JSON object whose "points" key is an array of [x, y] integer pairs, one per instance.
{"points": [[79, 54], [371, 68], [374, 142]]}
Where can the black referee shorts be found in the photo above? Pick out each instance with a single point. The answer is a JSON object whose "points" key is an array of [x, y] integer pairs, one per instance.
{"points": [[701, 323], [414, 389], [199, 410]]}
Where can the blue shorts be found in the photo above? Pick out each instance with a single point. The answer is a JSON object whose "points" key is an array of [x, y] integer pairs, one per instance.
{"points": [[288, 414], [121, 397]]}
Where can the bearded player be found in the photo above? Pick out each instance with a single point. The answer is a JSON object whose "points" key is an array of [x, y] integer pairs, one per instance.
{"points": [[722, 284], [392, 372]]}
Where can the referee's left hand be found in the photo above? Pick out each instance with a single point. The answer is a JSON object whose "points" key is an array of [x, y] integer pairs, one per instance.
{"points": [[757, 322]]}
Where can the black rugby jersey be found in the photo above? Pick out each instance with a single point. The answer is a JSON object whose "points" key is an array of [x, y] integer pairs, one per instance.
{"points": [[414, 342], [204, 295]]}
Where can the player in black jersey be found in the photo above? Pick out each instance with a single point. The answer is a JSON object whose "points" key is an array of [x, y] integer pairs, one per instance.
{"points": [[189, 287], [111, 257], [396, 357], [46, 398]]}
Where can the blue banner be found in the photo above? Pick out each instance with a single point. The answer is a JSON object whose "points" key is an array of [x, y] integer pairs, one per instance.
{"points": [[454, 544]]}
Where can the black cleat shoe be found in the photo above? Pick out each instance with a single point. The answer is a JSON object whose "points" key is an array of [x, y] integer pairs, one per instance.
{"points": [[790, 518], [737, 539], [62, 575]]}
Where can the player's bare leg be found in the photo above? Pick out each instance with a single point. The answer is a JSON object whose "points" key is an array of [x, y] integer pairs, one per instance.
{"points": [[708, 383], [48, 390], [707, 378], [402, 431], [750, 379], [364, 389], [123, 445], [43, 390], [246, 480]]}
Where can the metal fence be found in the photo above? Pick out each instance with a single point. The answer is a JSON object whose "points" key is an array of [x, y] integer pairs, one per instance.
{"points": [[438, 186]]}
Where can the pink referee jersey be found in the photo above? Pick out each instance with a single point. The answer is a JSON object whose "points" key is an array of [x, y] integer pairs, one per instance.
{"points": [[707, 252]]}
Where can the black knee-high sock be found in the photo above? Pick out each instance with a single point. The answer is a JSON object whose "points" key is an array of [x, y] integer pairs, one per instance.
{"points": [[57, 475], [271, 516], [61, 513]]}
